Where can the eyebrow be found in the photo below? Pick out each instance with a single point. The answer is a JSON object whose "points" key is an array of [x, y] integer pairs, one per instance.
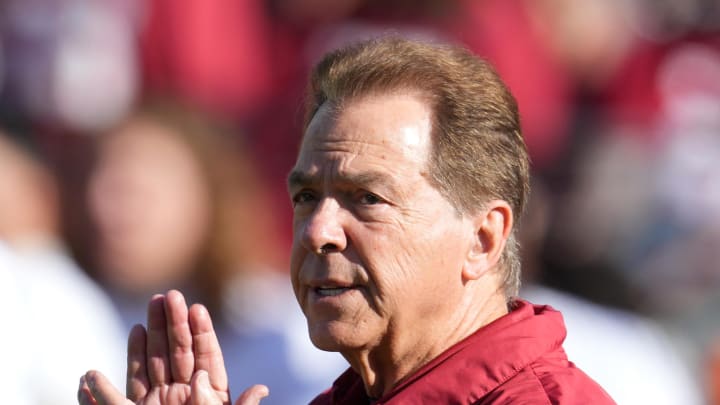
{"points": [[299, 179]]}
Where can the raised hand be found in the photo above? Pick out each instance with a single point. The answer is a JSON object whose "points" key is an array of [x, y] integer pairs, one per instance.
{"points": [[177, 361]]}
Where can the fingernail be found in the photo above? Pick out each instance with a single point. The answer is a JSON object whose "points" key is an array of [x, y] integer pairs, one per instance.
{"points": [[90, 379]]}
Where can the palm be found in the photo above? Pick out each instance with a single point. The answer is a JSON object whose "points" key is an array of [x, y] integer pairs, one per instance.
{"points": [[167, 394], [175, 393], [177, 361]]}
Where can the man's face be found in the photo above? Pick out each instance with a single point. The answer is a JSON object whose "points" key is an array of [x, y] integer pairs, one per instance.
{"points": [[377, 251]]}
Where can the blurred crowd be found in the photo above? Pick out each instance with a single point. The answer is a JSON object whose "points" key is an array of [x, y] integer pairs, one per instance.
{"points": [[144, 146]]}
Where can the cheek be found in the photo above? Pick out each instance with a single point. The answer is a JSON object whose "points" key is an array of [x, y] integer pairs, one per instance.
{"points": [[297, 251], [421, 255], [420, 243], [297, 256], [393, 256]]}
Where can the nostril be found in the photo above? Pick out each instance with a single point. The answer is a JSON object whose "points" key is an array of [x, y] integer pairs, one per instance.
{"points": [[327, 248]]}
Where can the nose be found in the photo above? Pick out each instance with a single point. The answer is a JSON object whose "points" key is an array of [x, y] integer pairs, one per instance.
{"points": [[323, 231]]}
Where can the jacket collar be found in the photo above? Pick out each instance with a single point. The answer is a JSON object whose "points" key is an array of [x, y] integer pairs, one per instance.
{"points": [[489, 357]]}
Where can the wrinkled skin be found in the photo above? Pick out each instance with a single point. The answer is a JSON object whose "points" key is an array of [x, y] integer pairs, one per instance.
{"points": [[177, 360], [378, 251]]}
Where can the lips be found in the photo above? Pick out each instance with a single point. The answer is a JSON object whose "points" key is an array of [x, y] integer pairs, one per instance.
{"points": [[326, 291], [329, 288]]}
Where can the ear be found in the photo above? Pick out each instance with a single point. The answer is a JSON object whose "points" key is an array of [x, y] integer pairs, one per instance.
{"points": [[492, 226]]}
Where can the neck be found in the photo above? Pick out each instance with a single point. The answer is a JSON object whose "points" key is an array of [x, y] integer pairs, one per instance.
{"points": [[401, 353]]}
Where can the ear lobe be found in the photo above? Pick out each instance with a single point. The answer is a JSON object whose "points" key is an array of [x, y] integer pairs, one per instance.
{"points": [[492, 229]]}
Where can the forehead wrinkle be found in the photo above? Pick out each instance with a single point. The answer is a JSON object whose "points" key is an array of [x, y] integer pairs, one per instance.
{"points": [[298, 178], [341, 143], [403, 140]]}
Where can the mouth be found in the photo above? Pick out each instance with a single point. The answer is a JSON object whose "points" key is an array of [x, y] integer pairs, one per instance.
{"points": [[331, 291]]}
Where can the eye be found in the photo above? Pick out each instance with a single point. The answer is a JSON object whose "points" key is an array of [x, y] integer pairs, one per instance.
{"points": [[303, 197], [370, 199]]}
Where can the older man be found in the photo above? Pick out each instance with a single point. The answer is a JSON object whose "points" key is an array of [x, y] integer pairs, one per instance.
{"points": [[410, 176]]}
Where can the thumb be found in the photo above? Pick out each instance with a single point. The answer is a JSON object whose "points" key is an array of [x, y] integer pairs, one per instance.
{"points": [[95, 388], [253, 395], [201, 392]]}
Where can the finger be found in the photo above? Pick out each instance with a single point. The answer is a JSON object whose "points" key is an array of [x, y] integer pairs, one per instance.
{"points": [[138, 383], [206, 348], [84, 395], [202, 393], [103, 392], [158, 363], [253, 395], [182, 361]]}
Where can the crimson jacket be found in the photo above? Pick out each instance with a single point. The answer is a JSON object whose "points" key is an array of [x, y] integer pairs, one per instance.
{"points": [[517, 359]]}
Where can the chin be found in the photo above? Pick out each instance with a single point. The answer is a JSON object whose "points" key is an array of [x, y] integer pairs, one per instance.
{"points": [[331, 337]]}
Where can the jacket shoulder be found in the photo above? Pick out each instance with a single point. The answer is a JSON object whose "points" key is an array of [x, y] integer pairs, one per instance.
{"points": [[551, 380]]}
